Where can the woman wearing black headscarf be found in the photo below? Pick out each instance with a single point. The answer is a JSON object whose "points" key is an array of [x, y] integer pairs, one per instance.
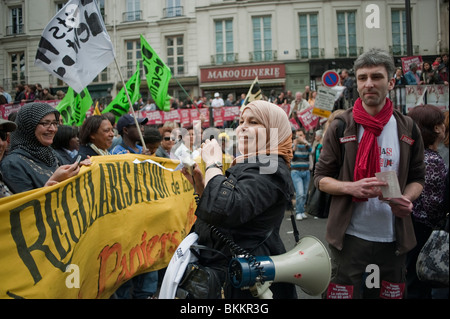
{"points": [[31, 162]]}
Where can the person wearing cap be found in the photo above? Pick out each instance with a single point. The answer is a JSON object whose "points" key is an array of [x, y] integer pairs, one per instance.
{"points": [[31, 162], [143, 286], [5, 128], [218, 101], [126, 126]]}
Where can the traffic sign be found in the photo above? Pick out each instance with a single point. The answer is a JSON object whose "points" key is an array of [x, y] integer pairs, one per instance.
{"points": [[330, 78]]}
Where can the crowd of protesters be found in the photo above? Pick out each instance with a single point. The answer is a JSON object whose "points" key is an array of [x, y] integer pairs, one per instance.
{"points": [[35, 138]]}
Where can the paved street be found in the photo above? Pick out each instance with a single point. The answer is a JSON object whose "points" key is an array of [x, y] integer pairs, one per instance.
{"points": [[309, 226]]}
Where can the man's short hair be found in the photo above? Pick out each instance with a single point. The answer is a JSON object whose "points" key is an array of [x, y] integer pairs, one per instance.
{"points": [[376, 57]]}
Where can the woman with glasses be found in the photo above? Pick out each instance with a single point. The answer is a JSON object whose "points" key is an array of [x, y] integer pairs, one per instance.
{"points": [[31, 162]]}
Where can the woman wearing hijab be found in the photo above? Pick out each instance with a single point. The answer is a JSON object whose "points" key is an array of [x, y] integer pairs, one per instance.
{"points": [[248, 204], [96, 136], [31, 162]]}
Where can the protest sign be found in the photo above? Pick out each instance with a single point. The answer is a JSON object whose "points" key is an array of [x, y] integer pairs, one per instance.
{"points": [[86, 236], [308, 120]]}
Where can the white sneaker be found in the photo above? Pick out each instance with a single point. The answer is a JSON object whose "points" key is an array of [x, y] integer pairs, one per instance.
{"points": [[304, 215], [298, 216]]}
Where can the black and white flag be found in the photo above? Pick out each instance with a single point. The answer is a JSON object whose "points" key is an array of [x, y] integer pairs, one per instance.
{"points": [[75, 46]]}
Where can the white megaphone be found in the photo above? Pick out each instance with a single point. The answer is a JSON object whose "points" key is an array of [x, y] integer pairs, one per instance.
{"points": [[307, 265]]}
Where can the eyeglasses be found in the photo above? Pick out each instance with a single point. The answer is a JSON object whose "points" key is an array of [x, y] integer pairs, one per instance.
{"points": [[3, 135], [168, 138], [47, 124]]}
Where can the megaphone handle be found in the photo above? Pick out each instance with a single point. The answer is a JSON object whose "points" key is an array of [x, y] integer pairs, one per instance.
{"points": [[294, 226], [262, 291]]}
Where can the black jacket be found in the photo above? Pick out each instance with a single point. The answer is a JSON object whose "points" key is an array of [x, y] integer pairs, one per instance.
{"points": [[86, 150], [248, 207]]}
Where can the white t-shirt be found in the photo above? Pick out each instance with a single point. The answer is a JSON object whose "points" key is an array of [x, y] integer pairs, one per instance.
{"points": [[217, 102], [373, 220]]}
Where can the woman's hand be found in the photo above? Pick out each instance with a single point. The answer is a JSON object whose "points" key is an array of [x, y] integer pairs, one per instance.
{"points": [[196, 176], [211, 152], [62, 173]]}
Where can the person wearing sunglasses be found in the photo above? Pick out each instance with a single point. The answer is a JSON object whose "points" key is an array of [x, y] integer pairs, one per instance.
{"points": [[166, 143], [5, 128], [31, 162]]}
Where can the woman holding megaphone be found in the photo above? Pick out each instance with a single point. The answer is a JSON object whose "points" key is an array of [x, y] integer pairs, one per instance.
{"points": [[245, 207]]}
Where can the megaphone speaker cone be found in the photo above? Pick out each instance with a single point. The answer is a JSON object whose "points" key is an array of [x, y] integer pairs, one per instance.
{"points": [[307, 265]]}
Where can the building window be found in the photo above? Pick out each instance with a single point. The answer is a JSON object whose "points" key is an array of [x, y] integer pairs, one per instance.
{"points": [[173, 8], [133, 53], [309, 36], [262, 39], [17, 68], [224, 41], [175, 54], [134, 12], [15, 21], [398, 32], [346, 28], [59, 6], [102, 77]]}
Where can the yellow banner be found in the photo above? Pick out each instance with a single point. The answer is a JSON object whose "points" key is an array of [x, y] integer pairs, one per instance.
{"points": [[84, 237]]}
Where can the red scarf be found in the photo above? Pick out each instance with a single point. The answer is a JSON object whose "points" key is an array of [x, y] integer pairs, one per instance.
{"points": [[368, 156]]}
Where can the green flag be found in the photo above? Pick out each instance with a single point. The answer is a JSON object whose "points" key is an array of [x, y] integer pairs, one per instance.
{"points": [[120, 106], [158, 76], [73, 106]]}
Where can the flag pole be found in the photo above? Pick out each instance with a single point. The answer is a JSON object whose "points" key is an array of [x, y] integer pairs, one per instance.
{"points": [[184, 91], [131, 106]]}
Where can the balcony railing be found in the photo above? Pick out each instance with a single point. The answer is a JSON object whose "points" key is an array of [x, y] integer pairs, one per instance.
{"points": [[350, 51], [312, 53], [224, 58], [267, 55], [173, 12], [15, 29], [401, 50], [130, 16]]}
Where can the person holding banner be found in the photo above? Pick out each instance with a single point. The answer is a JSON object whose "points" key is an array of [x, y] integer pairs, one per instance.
{"points": [[31, 162], [66, 144], [96, 136], [5, 128], [166, 144], [248, 203], [126, 126]]}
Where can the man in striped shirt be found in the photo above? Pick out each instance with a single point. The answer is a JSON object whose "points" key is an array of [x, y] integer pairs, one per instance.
{"points": [[300, 171]]}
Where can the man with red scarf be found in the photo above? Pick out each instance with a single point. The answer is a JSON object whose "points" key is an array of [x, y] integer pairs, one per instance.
{"points": [[369, 235]]}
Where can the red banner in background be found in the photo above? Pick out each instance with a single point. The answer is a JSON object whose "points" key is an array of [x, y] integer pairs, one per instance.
{"points": [[6, 109], [406, 62], [183, 116], [308, 119]]}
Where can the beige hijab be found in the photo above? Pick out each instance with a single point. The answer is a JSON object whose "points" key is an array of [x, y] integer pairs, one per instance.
{"points": [[275, 120]]}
